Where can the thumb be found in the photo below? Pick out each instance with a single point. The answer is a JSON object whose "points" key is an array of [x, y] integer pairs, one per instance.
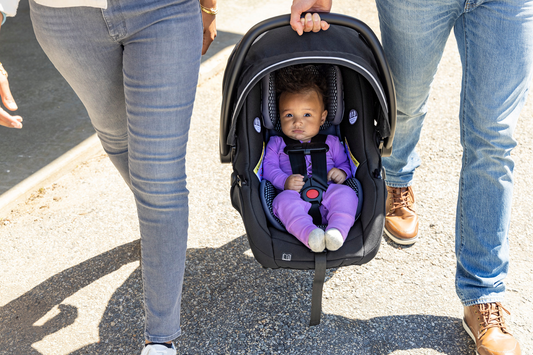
{"points": [[296, 23]]}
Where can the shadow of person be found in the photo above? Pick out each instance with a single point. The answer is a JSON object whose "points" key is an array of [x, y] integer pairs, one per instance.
{"points": [[230, 305], [17, 318]]}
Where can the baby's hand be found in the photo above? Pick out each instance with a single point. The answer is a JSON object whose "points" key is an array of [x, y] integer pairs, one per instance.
{"points": [[336, 175], [294, 182]]}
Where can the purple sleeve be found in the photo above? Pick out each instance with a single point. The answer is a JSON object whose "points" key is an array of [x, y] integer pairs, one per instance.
{"points": [[271, 166], [339, 156]]}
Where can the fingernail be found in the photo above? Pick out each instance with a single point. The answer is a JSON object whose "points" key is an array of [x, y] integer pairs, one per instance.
{"points": [[309, 18], [12, 105], [316, 18]]}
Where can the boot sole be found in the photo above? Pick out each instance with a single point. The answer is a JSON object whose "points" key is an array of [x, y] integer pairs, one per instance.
{"points": [[401, 241], [467, 328]]}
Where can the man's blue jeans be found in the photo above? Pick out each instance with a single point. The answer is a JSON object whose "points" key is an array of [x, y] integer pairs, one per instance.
{"points": [[135, 67], [495, 40]]}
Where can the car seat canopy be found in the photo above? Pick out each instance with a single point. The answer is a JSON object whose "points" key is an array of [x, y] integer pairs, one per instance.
{"points": [[282, 47]]}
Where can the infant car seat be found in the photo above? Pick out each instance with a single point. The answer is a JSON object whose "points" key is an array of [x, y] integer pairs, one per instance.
{"points": [[335, 108], [363, 115]]}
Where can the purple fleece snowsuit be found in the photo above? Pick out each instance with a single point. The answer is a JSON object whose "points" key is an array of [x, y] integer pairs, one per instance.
{"points": [[339, 202]]}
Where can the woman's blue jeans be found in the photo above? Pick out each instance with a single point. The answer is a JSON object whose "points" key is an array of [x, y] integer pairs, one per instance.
{"points": [[495, 40], [135, 67]]}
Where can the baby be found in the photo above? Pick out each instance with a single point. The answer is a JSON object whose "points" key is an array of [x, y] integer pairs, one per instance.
{"points": [[301, 95]]}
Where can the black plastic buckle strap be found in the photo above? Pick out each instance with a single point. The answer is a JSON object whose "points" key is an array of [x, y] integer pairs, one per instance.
{"points": [[318, 285]]}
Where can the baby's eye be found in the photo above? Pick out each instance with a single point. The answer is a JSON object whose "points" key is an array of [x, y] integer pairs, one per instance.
{"points": [[289, 115], [307, 115]]}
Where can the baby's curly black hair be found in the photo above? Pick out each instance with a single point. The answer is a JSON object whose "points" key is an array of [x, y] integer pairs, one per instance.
{"points": [[301, 78]]}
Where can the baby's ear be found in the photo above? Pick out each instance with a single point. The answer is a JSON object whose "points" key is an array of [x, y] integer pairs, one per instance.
{"points": [[324, 116]]}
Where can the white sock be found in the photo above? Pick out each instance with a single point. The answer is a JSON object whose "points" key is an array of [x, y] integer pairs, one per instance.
{"points": [[316, 240], [334, 239]]}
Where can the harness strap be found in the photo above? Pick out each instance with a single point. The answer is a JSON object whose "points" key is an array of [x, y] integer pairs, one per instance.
{"points": [[320, 169], [298, 165], [318, 284], [317, 149], [314, 211]]}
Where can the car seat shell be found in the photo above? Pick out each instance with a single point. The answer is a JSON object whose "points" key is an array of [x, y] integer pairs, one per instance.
{"points": [[368, 94]]}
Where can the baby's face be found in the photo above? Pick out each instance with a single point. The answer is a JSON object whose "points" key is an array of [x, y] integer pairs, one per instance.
{"points": [[301, 114]]}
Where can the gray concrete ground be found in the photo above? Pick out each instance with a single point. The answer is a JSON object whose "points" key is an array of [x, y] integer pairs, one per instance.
{"points": [[54, 119], [70, 253]]}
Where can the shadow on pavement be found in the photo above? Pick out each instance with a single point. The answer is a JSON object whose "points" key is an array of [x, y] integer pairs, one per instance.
{"points": [[55, 121], [230, 305]]}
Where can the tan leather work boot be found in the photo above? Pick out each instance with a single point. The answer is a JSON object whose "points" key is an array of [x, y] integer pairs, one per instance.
{"points": [[485, 324], [401, 221]]}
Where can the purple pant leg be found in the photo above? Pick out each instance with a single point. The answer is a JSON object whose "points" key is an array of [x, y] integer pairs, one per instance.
{"points": [[293, 212], [339, 205]]}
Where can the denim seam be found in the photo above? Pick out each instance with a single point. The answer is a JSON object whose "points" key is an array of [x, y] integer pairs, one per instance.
{"points": [[398, 185], [464, 163], [144, 292], [468, 6], [482, 300], [116, 36], [471, 5], [158, 339]]}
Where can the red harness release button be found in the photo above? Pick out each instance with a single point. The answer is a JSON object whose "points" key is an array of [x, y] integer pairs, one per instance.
{"points": [[312, 194]]}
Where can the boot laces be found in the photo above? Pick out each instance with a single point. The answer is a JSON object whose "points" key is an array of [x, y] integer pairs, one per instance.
{"points": [[491, 317], [400, 198]]}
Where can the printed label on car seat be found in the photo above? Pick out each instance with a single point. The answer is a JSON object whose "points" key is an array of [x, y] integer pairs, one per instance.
{"points": [[257, 125], [286, 257], [259, 167], [354, 164], [353, 116]]}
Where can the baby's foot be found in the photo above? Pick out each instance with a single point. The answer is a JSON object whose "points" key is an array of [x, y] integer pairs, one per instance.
{"points": [[316, 240], [334, 239]]}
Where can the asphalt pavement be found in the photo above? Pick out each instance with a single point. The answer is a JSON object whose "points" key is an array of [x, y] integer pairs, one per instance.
{"points": [[69, 259]]}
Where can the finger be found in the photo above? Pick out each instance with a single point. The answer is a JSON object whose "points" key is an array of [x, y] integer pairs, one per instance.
{"points": [[206, 43], [5, 92], [10, 121], [316, 23], [308, 26], [298, 7], [297, 23], [210, 31], [324, 25]]}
